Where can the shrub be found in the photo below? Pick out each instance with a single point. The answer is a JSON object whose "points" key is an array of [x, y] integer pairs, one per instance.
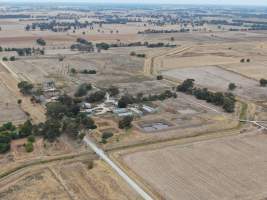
{"points": [[12, 58], [159, 77], [29, 147], [231, 86], [107, 135], [263, 82], [31, 138], [41, 41]]}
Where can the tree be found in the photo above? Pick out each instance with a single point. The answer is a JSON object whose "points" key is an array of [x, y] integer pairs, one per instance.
{"points": [[186, 86], [229, 105], [125, 100], [242, 60], [56, 110], [231, 86], [31, 138], [126, 122], [26, 129], [12, 58], [132, 53], [263, 82], [65, 99], [103, 46], [71, 127], [113, 91], [19, 101], [41, 41], [107, 135], [96, 96], [4, 147], [82, 90], [159, 77], [85, 121], [73, 71], [5, 59], [51, 129], [29, 147], [25, 87]]}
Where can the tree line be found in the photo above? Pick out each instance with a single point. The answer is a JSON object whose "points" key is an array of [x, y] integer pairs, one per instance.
{"points": [[226, 100]]}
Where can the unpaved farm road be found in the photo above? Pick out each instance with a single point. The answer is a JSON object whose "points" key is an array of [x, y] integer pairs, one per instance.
{"points": [[149, 62], [121, 173], [10, 80]]}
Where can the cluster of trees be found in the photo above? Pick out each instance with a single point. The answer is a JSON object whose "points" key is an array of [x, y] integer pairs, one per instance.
{"points": [[226, 100], [41, 41], [12, 58], [106, 46], [103, 45], [96, 96], [9, 132], [25, 87], [22, 51], [64, 117], [139, 55], [126, 100], [83, 41], [148, 31], [58, 26], [88, 71], [14, 16], [82, 45], [245, 60], [113, 91], [263, 82]]}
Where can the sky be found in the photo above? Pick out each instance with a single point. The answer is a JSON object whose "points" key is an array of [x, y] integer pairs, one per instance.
{"points": [[216, 2]]}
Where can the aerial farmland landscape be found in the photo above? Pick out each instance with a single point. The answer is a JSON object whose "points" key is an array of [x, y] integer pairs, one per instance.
{"points": [[131, 100]]}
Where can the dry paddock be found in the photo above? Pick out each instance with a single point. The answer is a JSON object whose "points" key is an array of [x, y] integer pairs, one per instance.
{"points": [[227, 168], [218, 79]]}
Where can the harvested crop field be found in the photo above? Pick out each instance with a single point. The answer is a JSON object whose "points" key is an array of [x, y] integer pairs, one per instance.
{"points": [[226, 168], [218, 79]]}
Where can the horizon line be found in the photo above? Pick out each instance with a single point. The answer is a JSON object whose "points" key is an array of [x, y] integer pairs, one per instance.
{"points": [[127, 3]]}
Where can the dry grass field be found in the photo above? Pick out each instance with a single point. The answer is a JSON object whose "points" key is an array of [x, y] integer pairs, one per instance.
{"points": [[218, 79], [227, 168], [10, 110], [66, 180]]}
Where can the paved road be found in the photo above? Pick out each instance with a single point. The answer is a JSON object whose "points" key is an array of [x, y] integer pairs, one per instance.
{"points": [[103, 156]]}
